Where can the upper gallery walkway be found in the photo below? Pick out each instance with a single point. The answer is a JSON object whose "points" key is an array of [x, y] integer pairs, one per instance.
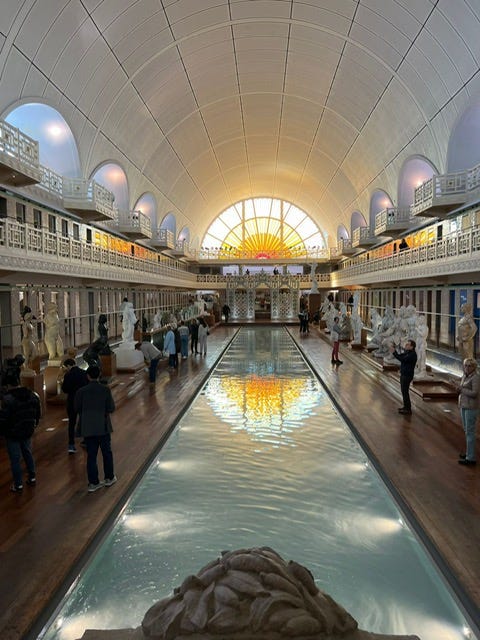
{"points": [[47, 532]]}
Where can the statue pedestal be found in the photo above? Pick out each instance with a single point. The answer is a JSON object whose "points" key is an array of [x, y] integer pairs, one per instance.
{"points": [[128, 358], [53, 391], [109, 364], [35, 383]]}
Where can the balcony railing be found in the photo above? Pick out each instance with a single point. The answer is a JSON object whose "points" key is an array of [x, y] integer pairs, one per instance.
{"points": [[162, 239], [233, 254], [88, 199], [440, 195], [392, 221], [134, 224], [18, 156], [453, 253], [362, 237], [21, 242]]}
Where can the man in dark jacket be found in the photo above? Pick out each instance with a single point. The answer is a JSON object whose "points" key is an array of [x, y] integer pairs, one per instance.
{"points": [[408, 360], [19, 415], [94, 404], [73, 380]]}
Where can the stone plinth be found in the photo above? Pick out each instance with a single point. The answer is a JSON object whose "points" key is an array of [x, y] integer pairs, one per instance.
{"points": [[128, 358]]}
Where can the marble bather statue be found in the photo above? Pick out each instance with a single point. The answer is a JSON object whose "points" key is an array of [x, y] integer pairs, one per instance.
{"points": [[53, 341], [249, 594], [466, 330]]}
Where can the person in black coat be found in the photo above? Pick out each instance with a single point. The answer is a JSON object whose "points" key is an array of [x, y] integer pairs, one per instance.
{"points": [[74, 379], [19, 415], [408, 360], [94, 404]]}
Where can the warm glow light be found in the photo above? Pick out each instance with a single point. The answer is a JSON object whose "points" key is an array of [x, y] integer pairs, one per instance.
{"points": [[55, 131]]}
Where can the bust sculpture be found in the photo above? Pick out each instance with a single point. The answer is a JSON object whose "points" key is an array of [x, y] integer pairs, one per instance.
{"points": [[249, 593], [466, 330]]}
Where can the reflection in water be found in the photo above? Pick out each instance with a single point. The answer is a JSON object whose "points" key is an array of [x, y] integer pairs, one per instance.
{"points": [[262, 458]]}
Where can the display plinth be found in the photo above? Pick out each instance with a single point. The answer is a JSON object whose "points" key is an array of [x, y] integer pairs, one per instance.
{"points": [[128, 358], [108, 364], [35, 383]]}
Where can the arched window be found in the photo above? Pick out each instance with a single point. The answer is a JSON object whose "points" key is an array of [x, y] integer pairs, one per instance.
{"points": [[111, 176], [169, 223], [414, 172], [378, 202], [464, 144], [147, 204], [263, 227], [57, 146]]}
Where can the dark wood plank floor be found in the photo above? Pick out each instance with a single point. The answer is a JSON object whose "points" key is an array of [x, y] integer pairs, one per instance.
{"points": [[46, 531]]}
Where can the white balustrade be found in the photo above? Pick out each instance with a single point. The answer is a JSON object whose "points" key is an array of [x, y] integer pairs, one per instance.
{"points": [[18, 145]]}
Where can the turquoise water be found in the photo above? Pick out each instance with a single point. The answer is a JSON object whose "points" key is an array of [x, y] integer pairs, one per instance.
{"points": [[263, 458]]}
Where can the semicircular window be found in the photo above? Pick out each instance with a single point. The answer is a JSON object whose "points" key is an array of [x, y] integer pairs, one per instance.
{"points": [[263, 228]]}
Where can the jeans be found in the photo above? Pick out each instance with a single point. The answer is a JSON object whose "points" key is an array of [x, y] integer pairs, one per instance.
{"points": [[16, 449], [469, 422], [405, 382], [152, 369], [93, 443], [184, 347], [72, 423]]}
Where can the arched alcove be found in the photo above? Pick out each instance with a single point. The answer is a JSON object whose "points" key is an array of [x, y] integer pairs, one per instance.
{"points": [[169, 223], [379, 201], [464, 144], [111, 176], [57, 146], [414, 172], [342, 232], [184, 235], [357, 220], [147, 204]]}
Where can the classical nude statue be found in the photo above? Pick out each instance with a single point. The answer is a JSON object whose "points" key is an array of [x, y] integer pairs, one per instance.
{"points": [[466, 330], [248, 594], [29, 348], [420, 337], [53, 341]]}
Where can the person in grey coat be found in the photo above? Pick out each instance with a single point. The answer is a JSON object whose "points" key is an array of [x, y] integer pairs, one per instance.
{"points": [[94, 404]]}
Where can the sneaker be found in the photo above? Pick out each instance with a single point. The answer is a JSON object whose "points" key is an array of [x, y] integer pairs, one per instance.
{"points": [[339, 362], [94, 487], [109, 481], [72, 449], [16, 488], [467, 462], [32, 482]]}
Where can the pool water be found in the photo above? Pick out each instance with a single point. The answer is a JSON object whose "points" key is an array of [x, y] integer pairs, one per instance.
{"points": [[263, 458]]}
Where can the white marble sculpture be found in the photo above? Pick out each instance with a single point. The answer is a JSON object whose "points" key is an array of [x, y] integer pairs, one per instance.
{"points": [[248, 594], [53, 341], [29, 348], [313, 278], [385, 333], [129, 320], [157, 320], [356, 320], [466, 330], [420, 338]]}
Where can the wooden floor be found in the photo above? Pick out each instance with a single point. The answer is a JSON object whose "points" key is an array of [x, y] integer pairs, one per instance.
{"points": [[46, 531]]}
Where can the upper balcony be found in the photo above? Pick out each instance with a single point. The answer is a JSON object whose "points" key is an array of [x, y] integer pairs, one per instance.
{"points": [[440, 195], [88, 199], [133, 224], [19, 164], [362, 238], [181, 249], [345, 248], [162, 239], [393, 221]]}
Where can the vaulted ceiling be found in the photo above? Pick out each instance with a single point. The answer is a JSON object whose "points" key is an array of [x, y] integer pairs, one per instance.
{"points": [[206, 102]]}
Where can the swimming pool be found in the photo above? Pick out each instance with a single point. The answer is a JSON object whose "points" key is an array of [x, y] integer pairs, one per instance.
{"points": [[262, 457]]}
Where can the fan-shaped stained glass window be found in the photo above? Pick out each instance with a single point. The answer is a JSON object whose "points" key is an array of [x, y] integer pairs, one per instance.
{"points": [[263, 228]]}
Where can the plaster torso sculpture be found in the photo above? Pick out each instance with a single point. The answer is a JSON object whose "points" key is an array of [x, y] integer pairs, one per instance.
{"points": [[157, 320], [466, 330], [129, 320], [420, 337], [247, 594], [53, 341], [385, 331]]}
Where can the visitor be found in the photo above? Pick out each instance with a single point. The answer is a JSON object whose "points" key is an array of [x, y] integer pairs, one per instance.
{"points": [[184, 335], [469, 404], [152, 356], [94, 404], [335, 331], [74, 379], [203, 332], [408, 361]]}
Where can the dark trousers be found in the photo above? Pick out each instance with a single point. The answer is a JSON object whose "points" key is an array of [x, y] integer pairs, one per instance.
{"points": [[194, 344], [405, 382], [72, 423], [18, 449], [93, 443], [152, 369]]}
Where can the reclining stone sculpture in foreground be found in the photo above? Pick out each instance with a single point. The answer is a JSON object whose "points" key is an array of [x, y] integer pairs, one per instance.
{"points": [[248, 594]]}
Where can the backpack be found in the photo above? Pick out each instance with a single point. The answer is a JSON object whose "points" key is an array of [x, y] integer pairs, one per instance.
{"points": [[20, 413]]}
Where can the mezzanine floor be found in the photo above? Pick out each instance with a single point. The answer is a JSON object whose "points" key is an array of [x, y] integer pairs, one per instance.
{"points": [[46, 531]]}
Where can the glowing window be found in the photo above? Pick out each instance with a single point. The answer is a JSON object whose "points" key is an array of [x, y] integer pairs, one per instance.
{"points": [[264, 227]]}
